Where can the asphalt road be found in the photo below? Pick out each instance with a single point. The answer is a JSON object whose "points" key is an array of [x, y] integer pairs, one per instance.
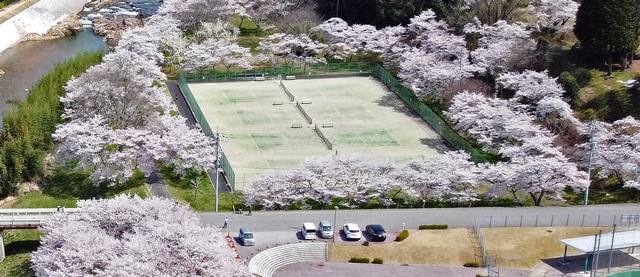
{"points": [[393, 219]]}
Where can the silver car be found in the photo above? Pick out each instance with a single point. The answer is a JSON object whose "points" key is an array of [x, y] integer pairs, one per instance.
{"points": [[326, 230], [246, 237]]}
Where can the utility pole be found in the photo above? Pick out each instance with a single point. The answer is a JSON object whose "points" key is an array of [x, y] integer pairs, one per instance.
{"points": [[613, 237], [217, 167], [335, 214], [592, 146], [337, 8]]}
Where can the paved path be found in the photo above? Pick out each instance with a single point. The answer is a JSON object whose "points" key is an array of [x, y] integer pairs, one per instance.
{"points": [[392, 219], [330, 269], [158, 187]]}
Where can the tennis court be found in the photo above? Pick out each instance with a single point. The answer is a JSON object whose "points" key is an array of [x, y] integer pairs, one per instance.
{"points": [[359, 115], [264, 129], [255, 120]]}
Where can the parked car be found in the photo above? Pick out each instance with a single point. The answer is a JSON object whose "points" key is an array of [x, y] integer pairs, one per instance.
{"points": [[376, 232], [352, 231], [326, 230], [308, 231], [246, 237]]}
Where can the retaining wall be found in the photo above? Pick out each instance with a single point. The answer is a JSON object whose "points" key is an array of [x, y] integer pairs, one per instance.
{"points": [[37, 19]]}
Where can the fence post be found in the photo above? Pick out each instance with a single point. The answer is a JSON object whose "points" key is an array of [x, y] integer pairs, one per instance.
{"points": [[520, 221], [490, 221], [567, 221], [536, 220], [614, 220], [598, 221], [552, 220], [505, 221], [582, 224]]}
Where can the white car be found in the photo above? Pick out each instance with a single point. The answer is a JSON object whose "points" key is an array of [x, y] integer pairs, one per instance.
{"points": [[352, 231], [308, 231]]}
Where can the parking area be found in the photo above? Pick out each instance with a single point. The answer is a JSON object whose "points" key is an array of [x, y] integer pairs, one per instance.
{"points": [[264, 240]]}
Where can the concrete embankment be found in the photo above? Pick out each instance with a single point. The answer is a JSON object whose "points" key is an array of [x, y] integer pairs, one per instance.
{"points": [[37, 19]]}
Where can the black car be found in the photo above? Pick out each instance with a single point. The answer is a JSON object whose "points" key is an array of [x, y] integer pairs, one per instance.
{"points": [[376, 232]]}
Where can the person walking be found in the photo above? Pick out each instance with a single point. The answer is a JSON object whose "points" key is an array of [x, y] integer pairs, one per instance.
{"points": [[226, 222]]}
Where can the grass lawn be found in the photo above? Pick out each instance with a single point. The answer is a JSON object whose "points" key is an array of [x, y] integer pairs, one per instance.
{"points": [[451, 247], [525, 247], [18, 246], [601, 84], [38, 199]]}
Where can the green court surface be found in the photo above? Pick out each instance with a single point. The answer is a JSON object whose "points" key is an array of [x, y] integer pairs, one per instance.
{"points": [[256, 134], [358, 115]]}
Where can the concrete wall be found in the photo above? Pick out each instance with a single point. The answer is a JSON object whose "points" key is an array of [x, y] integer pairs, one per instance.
{"points": [[37, 19]]}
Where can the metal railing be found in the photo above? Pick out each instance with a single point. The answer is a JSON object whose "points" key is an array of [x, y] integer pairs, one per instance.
{"points": [[584, 220]]}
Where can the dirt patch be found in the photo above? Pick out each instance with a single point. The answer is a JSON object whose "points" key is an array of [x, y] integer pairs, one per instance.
{"points": [[525, 247], [436, 247]]}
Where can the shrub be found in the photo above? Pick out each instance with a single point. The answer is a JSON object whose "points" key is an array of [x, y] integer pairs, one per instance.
{"points": [[359, 260], [571, 88], [471, 264], [377, 261], [403, 235], [27, 127], [582, 75], [433, 227]]}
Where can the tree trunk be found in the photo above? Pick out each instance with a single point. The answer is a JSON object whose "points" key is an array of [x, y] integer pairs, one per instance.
{"points": [[610, 65]]}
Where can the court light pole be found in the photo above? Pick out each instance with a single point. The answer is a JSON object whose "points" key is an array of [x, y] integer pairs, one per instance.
{"points": [[217, 165], [337, 8]]}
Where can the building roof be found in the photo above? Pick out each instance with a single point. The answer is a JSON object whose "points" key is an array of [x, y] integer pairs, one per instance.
{"points": [[621, 240]]}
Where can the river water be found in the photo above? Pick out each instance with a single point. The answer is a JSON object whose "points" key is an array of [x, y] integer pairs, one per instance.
{"points": [[25, 63]]}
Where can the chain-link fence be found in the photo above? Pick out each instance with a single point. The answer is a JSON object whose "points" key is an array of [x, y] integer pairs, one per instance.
{"points": [[206, 128], [584, 220], [301, 70], [430, 117]]}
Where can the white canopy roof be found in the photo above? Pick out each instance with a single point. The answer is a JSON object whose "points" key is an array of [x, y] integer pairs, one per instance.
{"points": [[624, 239]]}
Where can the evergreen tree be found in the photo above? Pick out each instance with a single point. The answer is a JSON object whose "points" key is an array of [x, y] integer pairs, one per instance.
{"points": [[609, 29]]}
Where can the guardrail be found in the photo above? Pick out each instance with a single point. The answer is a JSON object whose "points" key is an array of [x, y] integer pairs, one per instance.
{"points": [[28, 218], [267, 262]]}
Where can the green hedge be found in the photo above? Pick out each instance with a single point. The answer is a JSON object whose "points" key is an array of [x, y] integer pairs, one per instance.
{"points": [[377, 261], [433, 227], [26, 135], [403, 235], [359, 260], [472, 264]]}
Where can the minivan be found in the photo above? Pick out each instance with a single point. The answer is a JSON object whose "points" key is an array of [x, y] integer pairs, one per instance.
{"points": [[326, 230], [308, 231], [246, 237]]}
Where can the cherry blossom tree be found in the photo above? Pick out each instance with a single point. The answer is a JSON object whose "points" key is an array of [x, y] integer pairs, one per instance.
{"points": [[555, 15], [439, 62], [353, 178], [191, 13], [492, 122], [297, 48], [538, 176], [540, 95], [214, 52], [501, 47], [121, 90], [618, 150], [118, 117], [452, 176], [530, 86], [128, 236]]}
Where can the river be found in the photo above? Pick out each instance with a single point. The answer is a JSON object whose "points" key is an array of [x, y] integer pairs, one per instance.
{"points": [[25, 63]]}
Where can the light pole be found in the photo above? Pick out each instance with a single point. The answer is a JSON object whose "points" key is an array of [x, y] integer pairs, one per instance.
{"points": [[592, 146], [217, 166], [337, 8], [335, 214]]}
